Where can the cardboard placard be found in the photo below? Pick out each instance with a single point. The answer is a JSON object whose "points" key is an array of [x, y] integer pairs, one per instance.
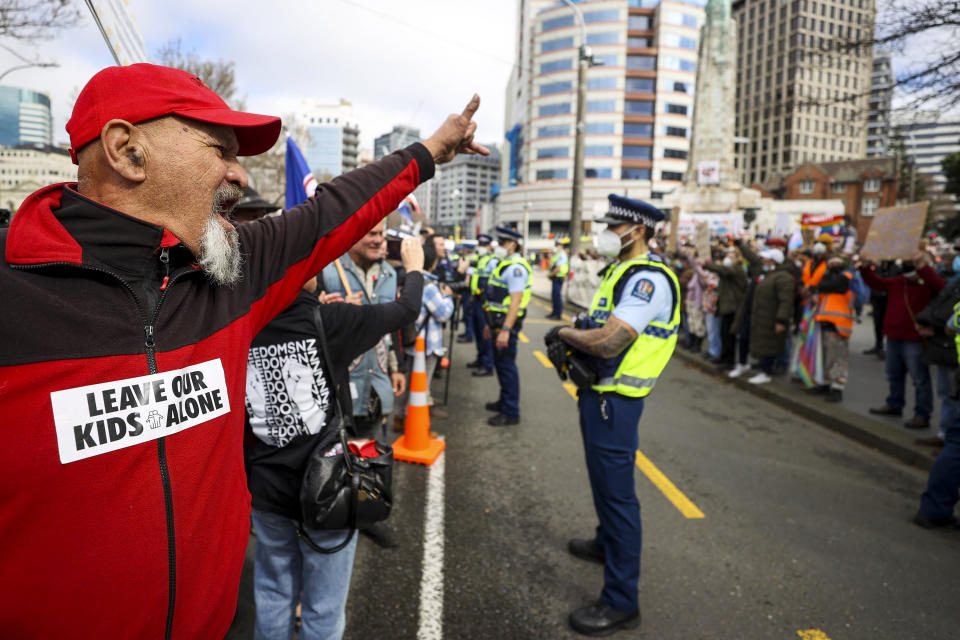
{"points": [[895, 232], [702, 242]]}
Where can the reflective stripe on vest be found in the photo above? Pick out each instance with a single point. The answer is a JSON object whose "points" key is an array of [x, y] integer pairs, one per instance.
{"points": [[642, 362], [498, 298], [564, 268]]}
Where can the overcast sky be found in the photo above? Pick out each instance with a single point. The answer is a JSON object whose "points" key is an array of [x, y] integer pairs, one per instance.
{"points": [[399, 62]]}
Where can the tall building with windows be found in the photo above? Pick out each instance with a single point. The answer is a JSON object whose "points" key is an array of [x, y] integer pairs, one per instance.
{"points": [[458, 191], [802, 96], [881, 96], [333, 137], [401, 136], [25, 117], [639, 106], [927, 138]]}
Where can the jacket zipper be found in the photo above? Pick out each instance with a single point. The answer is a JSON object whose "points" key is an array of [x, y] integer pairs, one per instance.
{"points": [[149, 343]]}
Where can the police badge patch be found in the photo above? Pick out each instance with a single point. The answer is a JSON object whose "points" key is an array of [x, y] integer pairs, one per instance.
{"points": [[643, 290]]}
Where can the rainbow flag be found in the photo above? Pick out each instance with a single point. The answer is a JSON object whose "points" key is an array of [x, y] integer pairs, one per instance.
{"points": [[807, 360]]}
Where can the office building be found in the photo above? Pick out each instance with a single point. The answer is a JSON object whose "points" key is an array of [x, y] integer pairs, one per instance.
{"points": [[333, 137], [458, 190], [639, 106], [25, 117], [801, 96], [401, 136], [927, 138], [25, 168], [881, 96]]}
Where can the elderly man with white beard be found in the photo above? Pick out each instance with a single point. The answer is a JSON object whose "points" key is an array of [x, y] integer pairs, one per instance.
{"points": [[129, 305]]}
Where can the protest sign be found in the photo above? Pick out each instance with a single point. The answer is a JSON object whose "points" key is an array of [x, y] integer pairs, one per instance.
{"points": [[895, 232]]}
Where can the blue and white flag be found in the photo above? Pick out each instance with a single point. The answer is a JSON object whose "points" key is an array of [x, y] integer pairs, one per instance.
{"points": [[300, 181], [408, 206]]}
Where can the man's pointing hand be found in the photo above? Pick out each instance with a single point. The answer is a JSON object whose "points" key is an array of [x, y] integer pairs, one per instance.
{"points": [[456, 135]]}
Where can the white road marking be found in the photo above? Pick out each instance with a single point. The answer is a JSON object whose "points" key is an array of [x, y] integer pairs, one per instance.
{"points": [[431, 580]]}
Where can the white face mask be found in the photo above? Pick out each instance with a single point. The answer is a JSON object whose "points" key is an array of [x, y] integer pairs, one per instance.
{"points": [[500, 252], [819, 249], [482, 251], [728, 262], [609, 242]]}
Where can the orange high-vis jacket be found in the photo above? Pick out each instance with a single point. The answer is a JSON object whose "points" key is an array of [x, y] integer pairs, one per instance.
{"points": [[837, 309], [814, 278]]}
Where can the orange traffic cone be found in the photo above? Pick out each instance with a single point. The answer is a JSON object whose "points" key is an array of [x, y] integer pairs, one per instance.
{"points": [[416, 445]]}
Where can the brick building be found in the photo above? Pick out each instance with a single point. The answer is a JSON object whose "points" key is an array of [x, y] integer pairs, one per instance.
{"points": [[863, 185]]}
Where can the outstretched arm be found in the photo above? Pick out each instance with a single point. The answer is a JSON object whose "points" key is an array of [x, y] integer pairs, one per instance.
{"points": [[604, 342]]}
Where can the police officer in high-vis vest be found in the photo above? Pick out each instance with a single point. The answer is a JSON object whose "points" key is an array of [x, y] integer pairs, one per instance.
{"points": [[479, 277], [559, 268], [625, 343], [505, 303]]}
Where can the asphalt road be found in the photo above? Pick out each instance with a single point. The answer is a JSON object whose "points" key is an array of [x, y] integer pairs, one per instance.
{"points": [[803, 534]]}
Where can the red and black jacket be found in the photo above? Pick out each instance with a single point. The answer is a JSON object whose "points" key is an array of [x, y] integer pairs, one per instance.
{"points": [[123, 502]]}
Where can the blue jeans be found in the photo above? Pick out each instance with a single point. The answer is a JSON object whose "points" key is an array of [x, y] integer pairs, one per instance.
{"points": [[904, 357], [713, 335], [943, 485], [610, 446], [556, 296], [287, 571], [505, 364]]}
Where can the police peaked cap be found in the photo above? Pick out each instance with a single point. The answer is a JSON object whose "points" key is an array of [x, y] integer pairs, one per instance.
{"points": [[484, 239], [626, 210], [506, 233]]}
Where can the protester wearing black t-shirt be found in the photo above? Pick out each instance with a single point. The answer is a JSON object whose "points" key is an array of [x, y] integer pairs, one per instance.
{"points": [[290, 397]]}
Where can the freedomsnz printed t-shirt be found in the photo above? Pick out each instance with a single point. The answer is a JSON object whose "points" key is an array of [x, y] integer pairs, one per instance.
{"points": [[289, 402], [288, 394]]}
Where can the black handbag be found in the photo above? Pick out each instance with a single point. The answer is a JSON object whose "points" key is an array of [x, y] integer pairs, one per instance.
{"points": [[343, 491]]}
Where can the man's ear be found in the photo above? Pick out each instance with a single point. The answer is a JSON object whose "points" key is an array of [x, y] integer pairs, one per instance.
{"points": [[123, 149]]}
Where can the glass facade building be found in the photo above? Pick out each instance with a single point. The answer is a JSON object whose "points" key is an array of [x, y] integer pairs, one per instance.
{"points": [[25, 117]]}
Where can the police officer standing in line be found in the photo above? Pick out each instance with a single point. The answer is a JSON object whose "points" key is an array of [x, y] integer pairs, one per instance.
{"points": [[625, 343], [467, 258], [559, 268], [479, 277], [508, 293]]}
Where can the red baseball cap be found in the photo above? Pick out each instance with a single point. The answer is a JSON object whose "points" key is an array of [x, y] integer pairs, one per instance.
{"points": [[139, 92]]}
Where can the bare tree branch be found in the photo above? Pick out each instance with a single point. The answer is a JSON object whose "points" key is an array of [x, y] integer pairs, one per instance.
{"points": [[36, 19]]}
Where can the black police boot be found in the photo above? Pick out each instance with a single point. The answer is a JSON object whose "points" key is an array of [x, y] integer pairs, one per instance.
{"points": [[586, 550], [600, 619], [502, 420], [475, 364], [492, 406], [464, 339], [482, 373]]}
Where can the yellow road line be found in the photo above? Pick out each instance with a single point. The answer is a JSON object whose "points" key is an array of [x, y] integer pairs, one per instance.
{"points": [[542, 357], [542, 321], [812, 634], [571, 389], [566, 317], [539, 304], [667, 488], [523, 338]]}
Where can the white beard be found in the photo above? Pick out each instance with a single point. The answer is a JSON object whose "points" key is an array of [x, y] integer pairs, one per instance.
{"points": [[219, 251]]}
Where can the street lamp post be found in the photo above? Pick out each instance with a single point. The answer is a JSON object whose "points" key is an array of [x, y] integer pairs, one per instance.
{"points": [[584, 61]]}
